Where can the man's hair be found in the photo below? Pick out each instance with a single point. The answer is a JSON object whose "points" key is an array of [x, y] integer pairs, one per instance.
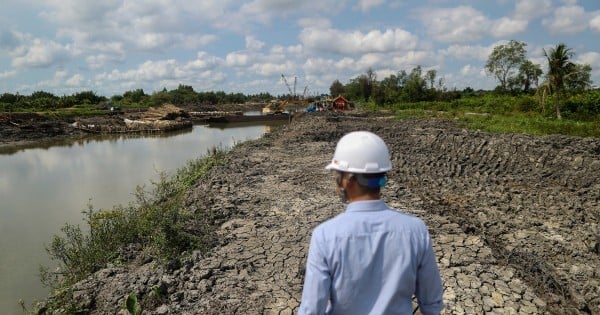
{"points": [[370, 183]]}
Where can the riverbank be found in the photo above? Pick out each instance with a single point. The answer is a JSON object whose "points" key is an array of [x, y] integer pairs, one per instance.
{"points": [[23, 129], [514, 220]]}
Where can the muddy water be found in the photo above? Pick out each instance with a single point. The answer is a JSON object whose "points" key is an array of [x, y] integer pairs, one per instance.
{"points": [[42, 188]]}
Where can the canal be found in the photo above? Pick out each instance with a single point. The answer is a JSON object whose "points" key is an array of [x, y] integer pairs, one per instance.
{"points": [[44, 187]]}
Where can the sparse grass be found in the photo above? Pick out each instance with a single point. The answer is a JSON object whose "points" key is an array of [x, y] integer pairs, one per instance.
{"points": [[156, 222]]}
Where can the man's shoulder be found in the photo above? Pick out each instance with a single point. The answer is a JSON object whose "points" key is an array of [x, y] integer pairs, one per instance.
{"points": [[399, 218]]}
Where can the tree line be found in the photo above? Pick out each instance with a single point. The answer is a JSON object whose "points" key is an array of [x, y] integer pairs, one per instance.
{"points": [[507, 63], [183, 94]]}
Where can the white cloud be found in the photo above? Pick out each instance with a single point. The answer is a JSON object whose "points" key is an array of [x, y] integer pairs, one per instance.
{"points": [[39, 52], [204, 61], [365, 5], [75, 80], [153, 25], [567, 20], [595, 22], [7, 74], [237, 59], [454, 25], [468, 52], [202, 71], [590, 58], [254, 44], [271, 68], [265, 11], [356, 42], [506, 27], [321, 23], [469, 70], [531, 9]]}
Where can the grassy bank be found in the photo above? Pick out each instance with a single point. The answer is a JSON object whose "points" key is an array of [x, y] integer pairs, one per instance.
{"points": [[514, 123], [509, 114], [156, 226]]}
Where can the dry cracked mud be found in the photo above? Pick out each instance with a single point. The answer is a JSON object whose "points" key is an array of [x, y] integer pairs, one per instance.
{"points": [[514, 220]]}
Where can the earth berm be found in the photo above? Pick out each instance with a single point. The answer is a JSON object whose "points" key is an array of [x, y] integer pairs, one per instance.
{"points": [[514, 220]]}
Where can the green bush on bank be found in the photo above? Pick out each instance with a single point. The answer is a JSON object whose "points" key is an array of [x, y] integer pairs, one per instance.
{"points": [[155, 221]]}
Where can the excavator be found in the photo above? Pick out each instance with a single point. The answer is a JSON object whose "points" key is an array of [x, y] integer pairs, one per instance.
{"points": [[274, 107]]}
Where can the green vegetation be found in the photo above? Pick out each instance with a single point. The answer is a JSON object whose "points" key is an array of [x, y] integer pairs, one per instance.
{"points": [[156, 224], [88, 103], [519, 104], [509, 114]]}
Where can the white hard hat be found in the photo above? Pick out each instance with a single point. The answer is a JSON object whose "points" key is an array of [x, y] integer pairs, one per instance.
{"points": [[361, 152]]}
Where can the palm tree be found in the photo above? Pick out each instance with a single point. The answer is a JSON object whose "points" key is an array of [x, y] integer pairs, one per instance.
{"points": [[559, 67]]}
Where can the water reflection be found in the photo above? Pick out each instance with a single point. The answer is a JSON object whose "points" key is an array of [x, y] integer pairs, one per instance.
{"points": [[41, 188]]}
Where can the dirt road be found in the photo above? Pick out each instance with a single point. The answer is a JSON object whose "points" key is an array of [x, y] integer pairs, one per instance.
{"points": [[514, 220]]}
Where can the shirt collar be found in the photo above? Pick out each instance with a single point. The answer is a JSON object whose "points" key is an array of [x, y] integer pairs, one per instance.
{"points": [[368, 205]]}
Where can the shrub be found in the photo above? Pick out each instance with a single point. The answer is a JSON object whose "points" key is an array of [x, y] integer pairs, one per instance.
{"points": [[155, 222]]}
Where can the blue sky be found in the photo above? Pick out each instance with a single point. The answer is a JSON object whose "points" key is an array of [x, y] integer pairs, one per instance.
{"points": [[113, 46]]}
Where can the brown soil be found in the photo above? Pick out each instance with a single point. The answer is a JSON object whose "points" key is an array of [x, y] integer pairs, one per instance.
{"points": [[514, 219]]}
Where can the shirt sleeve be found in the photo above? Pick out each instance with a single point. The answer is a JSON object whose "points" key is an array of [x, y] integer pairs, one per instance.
{"points": [[429, 290], [317, 281]]}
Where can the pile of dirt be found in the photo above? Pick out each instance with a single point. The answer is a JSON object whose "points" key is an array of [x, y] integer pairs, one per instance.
{"points": [[514, 220], [164, 112]]}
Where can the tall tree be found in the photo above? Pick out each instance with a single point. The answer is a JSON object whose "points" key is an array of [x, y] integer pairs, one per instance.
{"points": [[430, 76], [336, 88], [529, 73], [414, 89], [504, 62], [580, 79], [559, 68]]}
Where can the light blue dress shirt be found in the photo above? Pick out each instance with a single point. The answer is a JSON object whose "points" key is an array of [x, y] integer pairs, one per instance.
{"points": [[371, 259]]}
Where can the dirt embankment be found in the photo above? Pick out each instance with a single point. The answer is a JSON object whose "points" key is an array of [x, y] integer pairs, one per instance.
{"points": [[514, 220], [22, 129]]}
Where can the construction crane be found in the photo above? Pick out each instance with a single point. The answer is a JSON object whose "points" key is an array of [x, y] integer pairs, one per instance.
{"points": [[287, 84], [294, 95]]}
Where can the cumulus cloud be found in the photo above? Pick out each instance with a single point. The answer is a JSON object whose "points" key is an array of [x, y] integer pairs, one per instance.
{"points": [[271, 68], [238, 59], [465, 24], [468, 52], [531, 9], [203, 70], [506, 27], [590, 58], [153, 25], [356, 42], [39, 53], [567, 20], [454, 25]]}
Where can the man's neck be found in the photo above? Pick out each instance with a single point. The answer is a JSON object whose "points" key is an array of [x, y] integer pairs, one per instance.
{"points": [[366, 197]]}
